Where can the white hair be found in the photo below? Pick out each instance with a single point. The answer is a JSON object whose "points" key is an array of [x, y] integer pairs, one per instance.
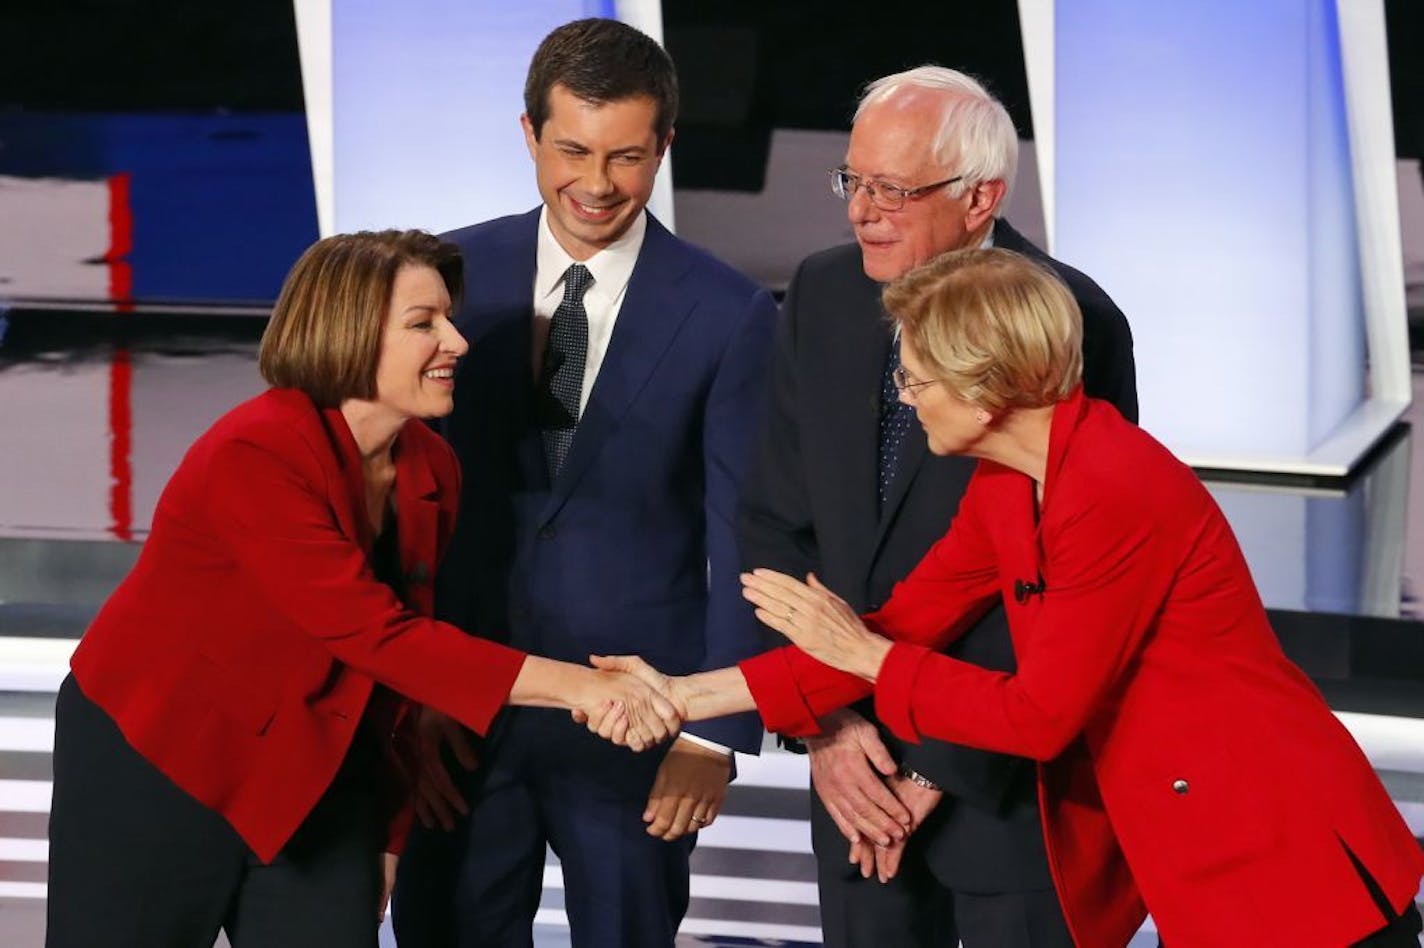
{"points": [[976, 137]]}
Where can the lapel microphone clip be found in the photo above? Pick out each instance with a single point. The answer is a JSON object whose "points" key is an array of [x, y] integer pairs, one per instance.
{"points": [[1024, 588]]}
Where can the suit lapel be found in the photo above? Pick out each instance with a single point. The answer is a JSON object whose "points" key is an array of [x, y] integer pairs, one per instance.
{"points": [[648, 321], [912, 454], [418, 516], [497, 376], [849, 399], [350, 508]]}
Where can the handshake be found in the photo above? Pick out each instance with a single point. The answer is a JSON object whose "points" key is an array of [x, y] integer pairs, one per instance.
{"points": [[631, 703]]}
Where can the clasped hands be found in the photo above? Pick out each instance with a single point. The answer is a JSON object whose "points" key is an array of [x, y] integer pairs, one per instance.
{"points": [[637, 706], [630, 703], [875, 808]]}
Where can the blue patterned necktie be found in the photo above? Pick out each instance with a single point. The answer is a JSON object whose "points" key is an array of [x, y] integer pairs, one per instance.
{"points": [[895, 420], [564, 359]]}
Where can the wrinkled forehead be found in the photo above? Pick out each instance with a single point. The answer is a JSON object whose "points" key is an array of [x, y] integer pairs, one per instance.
{"points": [[896, 138]]}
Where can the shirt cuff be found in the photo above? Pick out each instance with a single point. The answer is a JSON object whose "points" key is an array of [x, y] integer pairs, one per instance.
{"points": [[895, 687], [780, 703], [704, 742]]}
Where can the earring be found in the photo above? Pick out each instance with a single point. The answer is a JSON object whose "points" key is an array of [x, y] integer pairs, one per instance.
{"points": [[983, 417]]}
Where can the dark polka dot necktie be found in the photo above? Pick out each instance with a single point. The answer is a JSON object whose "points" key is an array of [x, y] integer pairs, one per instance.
{"points": [[895, 420], [564, 359]]}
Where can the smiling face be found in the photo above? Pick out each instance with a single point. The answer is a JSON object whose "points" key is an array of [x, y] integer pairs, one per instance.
{"points": [[894, 142], [951, 424], [415, 376], [595, 166]]}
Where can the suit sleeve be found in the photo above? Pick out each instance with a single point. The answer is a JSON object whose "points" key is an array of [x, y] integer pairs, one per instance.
{"points": [[280, 530], [1109, 368], [1108, 571], [944, 595], [774, 521], [733, 406]]}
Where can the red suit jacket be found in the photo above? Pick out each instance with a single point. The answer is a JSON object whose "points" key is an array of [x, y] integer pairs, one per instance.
{"points": [[240, 653], [1185, 762]]}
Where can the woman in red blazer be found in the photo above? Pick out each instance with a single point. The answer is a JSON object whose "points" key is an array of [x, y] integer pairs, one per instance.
{"points": [[1185, 763], [228, 747]]}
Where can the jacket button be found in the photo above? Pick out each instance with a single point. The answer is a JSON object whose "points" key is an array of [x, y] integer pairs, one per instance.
{"points": [[1180, 786], [547, 533]]}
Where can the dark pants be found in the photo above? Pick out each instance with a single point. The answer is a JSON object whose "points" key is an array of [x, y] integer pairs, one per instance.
{"points": [[135, 862], [1403, 928], [915, 909], [1403, 932], [546, 784], [966, 875]]}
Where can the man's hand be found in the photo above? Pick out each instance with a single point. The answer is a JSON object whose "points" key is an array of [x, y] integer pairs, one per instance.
{"points": [[885, 860], [438, 802], [689, 790], [855, 795]]}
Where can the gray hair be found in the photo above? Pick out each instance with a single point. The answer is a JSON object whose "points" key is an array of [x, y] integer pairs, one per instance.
{"points": [[976, 137]]}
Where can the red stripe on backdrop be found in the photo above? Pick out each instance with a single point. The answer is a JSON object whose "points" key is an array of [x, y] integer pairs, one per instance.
{"points": [[120, 243], [121, 445]]}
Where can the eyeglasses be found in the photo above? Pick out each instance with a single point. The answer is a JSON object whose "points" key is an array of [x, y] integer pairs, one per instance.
{"points": [[904, 384], [887, 197]]}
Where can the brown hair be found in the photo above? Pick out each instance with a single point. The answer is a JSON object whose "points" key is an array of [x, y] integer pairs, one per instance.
{"points": [[324, 336], [601, 61], [1000, 330]]}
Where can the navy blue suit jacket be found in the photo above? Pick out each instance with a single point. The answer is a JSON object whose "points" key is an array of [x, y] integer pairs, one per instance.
{"points": [[632, 549]]}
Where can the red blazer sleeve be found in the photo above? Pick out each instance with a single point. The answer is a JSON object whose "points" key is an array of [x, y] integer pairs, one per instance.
{"points": [[944, 595], [281, 530], [1108, 571]]}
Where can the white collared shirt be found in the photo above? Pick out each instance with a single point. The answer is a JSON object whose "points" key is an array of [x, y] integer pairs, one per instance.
{"points": [[611, 268]]}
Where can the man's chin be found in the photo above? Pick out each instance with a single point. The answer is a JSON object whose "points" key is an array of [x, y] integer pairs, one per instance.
{"points": [[878, 264]]}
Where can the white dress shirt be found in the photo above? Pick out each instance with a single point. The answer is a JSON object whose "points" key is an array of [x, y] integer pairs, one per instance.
{"points": [[611, 268]]}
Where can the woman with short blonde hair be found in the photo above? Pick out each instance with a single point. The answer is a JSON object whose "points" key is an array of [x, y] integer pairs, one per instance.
{"points": [[1186, 767], [995, 327]]}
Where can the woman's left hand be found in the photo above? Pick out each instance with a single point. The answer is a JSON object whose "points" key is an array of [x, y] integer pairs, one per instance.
{"points": [[818, 621]]}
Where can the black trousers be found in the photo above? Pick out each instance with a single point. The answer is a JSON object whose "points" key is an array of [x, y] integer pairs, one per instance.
{"points": [[137, 863], [1403, 928], [545, 783], [915, 909]]}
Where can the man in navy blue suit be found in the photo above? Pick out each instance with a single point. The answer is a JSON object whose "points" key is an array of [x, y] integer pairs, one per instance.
{"points": [[603, 419]]}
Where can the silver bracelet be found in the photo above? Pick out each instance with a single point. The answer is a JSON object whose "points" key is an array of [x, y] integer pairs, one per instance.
{"points": [[918, 779]]}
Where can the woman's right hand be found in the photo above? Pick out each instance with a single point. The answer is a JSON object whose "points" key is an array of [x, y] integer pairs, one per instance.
{"points": [[632, 710]]}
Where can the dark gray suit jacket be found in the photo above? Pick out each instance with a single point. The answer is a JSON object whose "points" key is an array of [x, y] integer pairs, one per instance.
{"points": [[810, 503]]}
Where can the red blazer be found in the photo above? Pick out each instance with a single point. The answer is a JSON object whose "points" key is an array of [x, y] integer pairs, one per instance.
{"points": [[240, 653], [1182, 756]]}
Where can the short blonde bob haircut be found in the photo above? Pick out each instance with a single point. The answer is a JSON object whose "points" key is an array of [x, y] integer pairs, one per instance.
{"points": [[999, 330], [324, 337]]}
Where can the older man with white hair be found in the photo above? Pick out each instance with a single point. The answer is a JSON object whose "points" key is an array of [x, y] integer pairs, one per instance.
{"points": [[915, 844]]}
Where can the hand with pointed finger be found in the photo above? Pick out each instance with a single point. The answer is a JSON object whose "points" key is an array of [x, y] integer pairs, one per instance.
{"points": [[816, 620]]}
